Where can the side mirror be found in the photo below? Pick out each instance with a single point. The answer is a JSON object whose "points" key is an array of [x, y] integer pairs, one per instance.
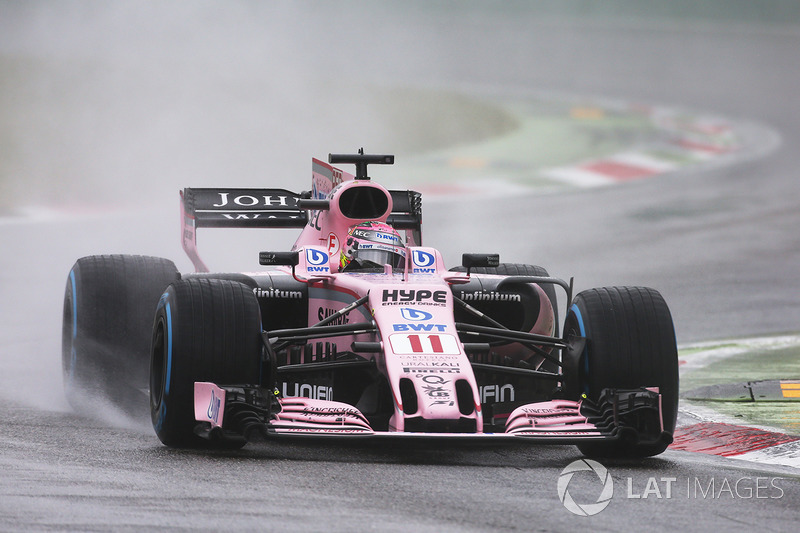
{"points": [[313, 205], [279, 258], [469, 261]]}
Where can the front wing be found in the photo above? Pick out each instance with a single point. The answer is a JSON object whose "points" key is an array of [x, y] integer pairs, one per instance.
{"points": [[248, 411]]}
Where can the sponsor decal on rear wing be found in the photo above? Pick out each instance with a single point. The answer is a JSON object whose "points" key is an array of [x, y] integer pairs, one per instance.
{"points": [[243, 208], [235, 208]]}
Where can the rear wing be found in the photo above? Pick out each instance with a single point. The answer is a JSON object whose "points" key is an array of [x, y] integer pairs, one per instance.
{"points": [[236, 208], [243, 208], [272, 208]]}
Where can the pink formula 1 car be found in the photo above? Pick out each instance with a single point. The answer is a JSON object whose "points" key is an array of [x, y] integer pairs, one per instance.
{"points": [[361, 331]]}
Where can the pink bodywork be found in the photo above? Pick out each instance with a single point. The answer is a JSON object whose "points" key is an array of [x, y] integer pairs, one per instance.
{"points": [[327, 229], [209, 403], [304, 415], [557, 417], [416, 329]]}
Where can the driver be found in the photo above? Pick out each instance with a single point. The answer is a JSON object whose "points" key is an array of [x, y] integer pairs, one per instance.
{"points": [[372, 245]]}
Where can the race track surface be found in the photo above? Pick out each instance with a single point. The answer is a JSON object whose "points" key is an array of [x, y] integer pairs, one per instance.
{"points": [[253, 91]]}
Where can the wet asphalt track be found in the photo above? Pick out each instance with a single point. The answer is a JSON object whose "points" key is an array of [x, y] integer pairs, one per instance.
{"points": [[721, 246]]}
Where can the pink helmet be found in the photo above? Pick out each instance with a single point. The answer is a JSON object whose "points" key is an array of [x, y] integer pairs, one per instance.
{"points": [[372, 245]]}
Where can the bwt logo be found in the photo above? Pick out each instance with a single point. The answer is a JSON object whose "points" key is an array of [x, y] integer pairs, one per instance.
{"points": [[424, 262], [213, 408], [419, 327], [318, 261], [409, 313], [387, 237]]}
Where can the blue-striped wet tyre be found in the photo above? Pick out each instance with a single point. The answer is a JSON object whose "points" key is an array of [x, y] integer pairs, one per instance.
{"points": [[204, 330], [109, 304], [630, 343]]}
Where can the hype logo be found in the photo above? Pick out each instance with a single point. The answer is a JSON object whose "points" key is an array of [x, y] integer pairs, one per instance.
{"points": [[424, 262], [409, 313]]}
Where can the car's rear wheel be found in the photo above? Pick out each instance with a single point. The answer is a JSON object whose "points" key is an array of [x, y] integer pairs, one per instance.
{"points": [[204, 330], [630, 343], [109, 304]]}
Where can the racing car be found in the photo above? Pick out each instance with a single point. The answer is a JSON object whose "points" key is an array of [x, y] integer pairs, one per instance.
{"points": [[360, 331]]}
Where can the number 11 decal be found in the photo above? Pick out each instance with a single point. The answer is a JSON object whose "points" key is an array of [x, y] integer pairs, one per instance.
{"points": [[413, 344]]}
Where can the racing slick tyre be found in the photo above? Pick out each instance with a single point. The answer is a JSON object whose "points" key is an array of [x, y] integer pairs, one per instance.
{"points": [[109, 304], [204, 330], [630, 343]]}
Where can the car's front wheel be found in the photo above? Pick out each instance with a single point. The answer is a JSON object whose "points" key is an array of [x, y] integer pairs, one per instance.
{"points": [[204, 330], [630, 344]]}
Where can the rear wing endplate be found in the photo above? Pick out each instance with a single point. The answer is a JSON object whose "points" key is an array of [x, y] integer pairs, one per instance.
{"points": [[406, 215]]}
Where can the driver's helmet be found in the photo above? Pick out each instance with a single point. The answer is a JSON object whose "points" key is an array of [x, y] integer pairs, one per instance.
{"points": [[372, 245]]}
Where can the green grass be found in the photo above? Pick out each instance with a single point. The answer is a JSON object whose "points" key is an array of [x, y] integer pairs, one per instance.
{"points": [[767, 364], [782, 363]]}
